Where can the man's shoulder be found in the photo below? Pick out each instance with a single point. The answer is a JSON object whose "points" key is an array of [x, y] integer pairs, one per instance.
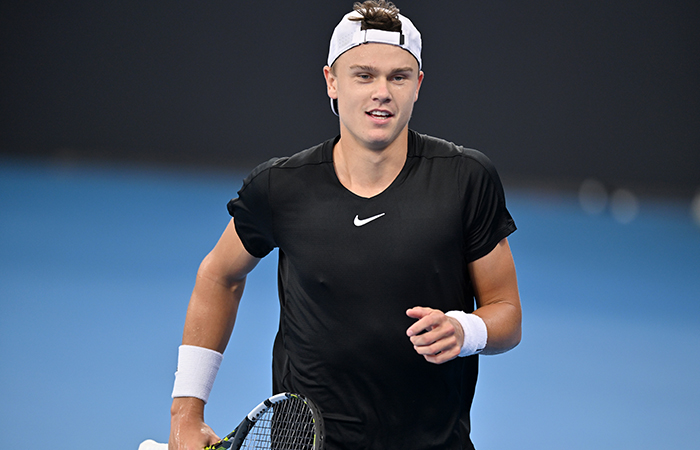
{"points": [[311, 156], [426, 146]]}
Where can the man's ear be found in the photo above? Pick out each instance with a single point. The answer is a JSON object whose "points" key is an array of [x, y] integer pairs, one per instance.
{"points": [[421, 75], [331, 82]]}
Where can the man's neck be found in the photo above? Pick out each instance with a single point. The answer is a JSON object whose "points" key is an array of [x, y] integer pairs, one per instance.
{"points": [[368, 172]]}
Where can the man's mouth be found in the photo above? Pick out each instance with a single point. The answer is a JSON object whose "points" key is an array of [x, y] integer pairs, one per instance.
{"points": [[377, 114]]}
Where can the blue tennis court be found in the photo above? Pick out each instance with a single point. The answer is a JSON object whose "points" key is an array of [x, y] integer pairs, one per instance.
{"points": [[98, 262]]}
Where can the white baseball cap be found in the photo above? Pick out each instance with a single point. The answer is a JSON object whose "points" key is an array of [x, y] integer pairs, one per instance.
{"points": [[349, 33]]}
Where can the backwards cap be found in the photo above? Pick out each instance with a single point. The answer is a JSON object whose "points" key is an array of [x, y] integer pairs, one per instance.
{"points": [[349, 33]]}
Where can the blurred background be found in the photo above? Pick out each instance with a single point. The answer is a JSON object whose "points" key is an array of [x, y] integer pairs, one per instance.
{"points": [[553, 92], [125, 127]]}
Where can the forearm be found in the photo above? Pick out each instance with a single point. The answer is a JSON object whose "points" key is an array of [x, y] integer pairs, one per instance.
{"points": [[503, 325], [210, 318]]}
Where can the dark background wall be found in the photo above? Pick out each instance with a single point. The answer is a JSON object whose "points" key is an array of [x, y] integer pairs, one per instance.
{"points": [[554, 92]]}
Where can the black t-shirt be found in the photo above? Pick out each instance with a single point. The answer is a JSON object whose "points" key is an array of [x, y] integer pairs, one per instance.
{"points": [[349, 268]]}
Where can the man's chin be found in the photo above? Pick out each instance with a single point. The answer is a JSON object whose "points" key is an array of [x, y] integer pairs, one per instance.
{"points": [[381, 141]]}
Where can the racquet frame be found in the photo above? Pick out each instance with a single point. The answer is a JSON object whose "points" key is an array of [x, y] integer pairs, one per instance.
{"points": [[234, 439]]}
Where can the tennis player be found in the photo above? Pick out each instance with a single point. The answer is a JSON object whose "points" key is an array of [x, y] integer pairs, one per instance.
{"points": [[394, 265]]}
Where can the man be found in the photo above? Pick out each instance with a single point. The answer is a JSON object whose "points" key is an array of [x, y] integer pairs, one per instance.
{"points": [[385, 238]]}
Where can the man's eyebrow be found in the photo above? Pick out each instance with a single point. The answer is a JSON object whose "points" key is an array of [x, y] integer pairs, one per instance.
{"points": [[374, 69], [363, 67]]}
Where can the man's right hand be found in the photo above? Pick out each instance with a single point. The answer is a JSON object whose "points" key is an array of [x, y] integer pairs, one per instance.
{"points": [[187, 428]]}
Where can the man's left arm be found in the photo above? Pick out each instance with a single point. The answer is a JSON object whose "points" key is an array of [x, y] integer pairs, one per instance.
{"points": [[440, 337], [497, 298]]}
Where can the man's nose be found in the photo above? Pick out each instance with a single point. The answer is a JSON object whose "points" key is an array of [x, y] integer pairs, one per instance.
{"points": [[381, 91]]}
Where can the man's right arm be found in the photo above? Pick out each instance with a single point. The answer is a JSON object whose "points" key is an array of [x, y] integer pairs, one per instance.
{"points": [[211, 315]]}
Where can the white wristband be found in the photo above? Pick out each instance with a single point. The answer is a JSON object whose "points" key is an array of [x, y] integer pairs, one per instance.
{"points": [[475, 332], [196, 371]]}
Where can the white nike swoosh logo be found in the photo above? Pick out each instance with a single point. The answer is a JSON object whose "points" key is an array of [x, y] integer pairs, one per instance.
{"points": [[359, 222]]}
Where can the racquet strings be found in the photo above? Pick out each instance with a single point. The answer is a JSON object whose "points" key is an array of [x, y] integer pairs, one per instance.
{"points": [[288, 425]]}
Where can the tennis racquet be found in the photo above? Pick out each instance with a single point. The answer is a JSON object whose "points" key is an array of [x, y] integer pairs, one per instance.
{"points": [[282, 422]]}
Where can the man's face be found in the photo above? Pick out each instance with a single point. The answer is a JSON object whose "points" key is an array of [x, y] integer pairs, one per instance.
{"points": [[376, 86]]}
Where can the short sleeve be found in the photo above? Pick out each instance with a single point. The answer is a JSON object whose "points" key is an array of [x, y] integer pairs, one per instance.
{"points": [[486, 218], [252, 213]]}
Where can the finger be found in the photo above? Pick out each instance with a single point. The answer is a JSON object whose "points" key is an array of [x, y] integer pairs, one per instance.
{"points": [[425, 321], [440, 358], [431, 345], [431, 328], [438, 353], [418, 312], [442, 337]]}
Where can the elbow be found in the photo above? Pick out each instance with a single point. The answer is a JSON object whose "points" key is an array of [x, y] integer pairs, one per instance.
{"points": [[515, 335], [213, 271], [503, 346], [503, 335]]}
